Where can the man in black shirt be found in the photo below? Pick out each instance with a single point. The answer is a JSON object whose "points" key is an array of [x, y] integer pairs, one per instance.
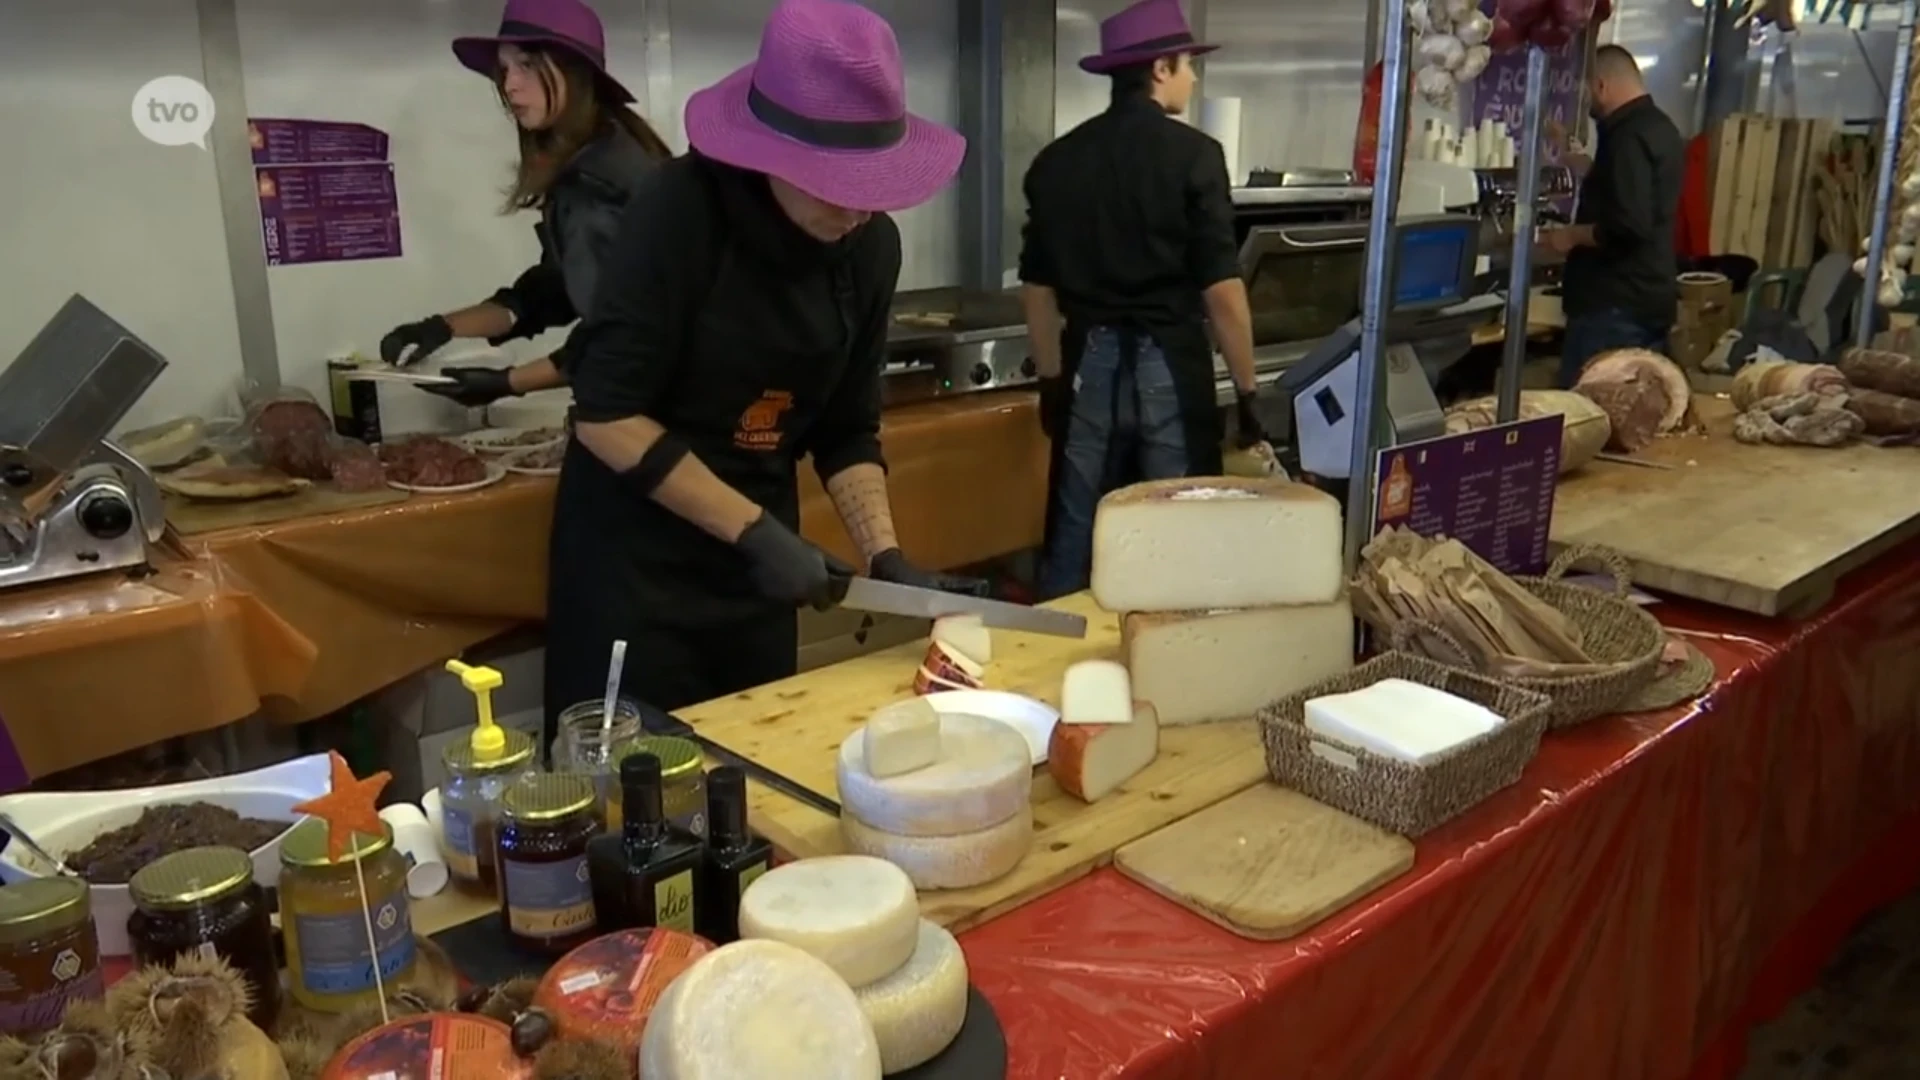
{"points": [[1128, 248], [1620, 288]]}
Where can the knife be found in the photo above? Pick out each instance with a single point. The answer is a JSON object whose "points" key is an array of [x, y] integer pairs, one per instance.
{"points": [[660, 722], [888, 598]]}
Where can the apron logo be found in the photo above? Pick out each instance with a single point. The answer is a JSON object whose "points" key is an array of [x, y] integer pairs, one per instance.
{"points": [[759, 427]]}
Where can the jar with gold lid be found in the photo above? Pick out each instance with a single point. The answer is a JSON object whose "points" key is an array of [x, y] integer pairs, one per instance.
{"points": [[683, 781], [471, 803], [204, 902], [330, 962], [49, 953], [546, 891]]}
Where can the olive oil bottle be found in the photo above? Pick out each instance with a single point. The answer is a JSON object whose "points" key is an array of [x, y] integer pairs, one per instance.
{"points": [[735, 857], [649, 874]]}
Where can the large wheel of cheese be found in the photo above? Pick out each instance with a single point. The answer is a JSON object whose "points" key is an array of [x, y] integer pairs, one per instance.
{"points": [[984, 776], [947, 862], [917, 1011], [858, 915]]}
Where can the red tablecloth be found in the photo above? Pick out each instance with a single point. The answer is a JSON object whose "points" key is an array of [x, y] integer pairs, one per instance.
{"points": [[1651, 888]]}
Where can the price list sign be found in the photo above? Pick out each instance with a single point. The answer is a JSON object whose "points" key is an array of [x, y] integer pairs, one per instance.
{"points": [[1492, 490]]}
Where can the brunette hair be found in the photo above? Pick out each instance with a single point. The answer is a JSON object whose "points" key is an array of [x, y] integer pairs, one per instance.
{"points": [[589, 113]]}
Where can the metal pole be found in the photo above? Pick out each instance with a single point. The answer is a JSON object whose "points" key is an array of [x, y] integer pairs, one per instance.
{"points": [[1377, 285], [1520, 270], [1889, 162]]}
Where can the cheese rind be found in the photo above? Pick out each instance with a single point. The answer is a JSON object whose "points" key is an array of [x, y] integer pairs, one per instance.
{"points": [[1197, 667], [1096, 692], [984, 776], [1089, 761], [1216, 542], [917, 1012], [902, 737], [858, 915], [759, 1008], [947, 862], [966, 635], [1400, 719]]}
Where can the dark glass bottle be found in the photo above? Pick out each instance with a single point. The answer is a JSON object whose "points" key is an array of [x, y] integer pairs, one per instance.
{"points": [[648, 875], [733, 858]]}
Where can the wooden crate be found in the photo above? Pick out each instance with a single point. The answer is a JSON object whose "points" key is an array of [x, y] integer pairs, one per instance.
{"points": [[1761, 202]]}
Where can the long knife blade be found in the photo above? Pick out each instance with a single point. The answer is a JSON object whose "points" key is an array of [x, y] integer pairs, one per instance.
{"points": [[888, 598], [659, 722]]}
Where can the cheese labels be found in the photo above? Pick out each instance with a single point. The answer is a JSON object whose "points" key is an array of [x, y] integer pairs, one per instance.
{"points": [[948, 669]]}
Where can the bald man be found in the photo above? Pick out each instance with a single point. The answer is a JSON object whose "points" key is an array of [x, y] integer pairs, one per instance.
{"points": [[1619, 283]]}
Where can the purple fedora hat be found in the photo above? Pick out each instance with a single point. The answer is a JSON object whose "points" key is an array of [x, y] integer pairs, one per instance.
{"points": [[1142, 33], [824, 108], [564, 24]]}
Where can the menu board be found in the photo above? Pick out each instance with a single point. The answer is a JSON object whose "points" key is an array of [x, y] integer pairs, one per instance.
{"points": [[1492, 490], [327, 191]]}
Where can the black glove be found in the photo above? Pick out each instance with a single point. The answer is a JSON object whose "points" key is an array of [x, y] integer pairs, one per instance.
{"points": [[1246, 424], [1056, 406], [474, 386], [787, 568], [891, 565], [425, 336]]}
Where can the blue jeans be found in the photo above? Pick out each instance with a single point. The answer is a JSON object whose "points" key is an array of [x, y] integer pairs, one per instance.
{"points": [[1117, 411], [1587, 336]]}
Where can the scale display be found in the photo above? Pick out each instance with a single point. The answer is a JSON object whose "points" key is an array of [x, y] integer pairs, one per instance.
{"points": [[1427, 270]]}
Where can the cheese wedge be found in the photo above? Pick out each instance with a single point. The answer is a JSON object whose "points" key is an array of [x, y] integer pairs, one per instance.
{"points": [[902, 737], [1096, 692], [1089, 761], [1196, 667]]}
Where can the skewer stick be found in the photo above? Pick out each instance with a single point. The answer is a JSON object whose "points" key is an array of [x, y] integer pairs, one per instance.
{"points": [[373, 943]]}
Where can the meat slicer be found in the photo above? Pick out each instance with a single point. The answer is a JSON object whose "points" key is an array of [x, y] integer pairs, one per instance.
{"points": [[71, 502]]}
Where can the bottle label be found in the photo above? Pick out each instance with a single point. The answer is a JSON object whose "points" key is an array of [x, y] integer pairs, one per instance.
{"points": [[461, 859], [547, 900], [752, 874], [673, 902], [334, 958]]}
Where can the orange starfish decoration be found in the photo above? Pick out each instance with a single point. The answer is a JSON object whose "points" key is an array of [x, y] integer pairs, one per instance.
{"points": [[348, 807]]}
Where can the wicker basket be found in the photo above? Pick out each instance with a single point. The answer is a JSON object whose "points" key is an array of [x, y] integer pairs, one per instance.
{"points": [[1613, 629], [1404, 798]]}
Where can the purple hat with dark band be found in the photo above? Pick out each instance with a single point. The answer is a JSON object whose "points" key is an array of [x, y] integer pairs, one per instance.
{"points": [[563, 24], [1141, 34], [824, 108]]}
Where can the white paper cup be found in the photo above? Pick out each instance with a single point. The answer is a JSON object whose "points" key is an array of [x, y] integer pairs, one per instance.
{"points": [[436, 813], [416, 839]]}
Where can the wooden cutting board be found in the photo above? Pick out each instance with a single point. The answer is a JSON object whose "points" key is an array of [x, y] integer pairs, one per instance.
{"points": [[190, 517], [1267, 863]]}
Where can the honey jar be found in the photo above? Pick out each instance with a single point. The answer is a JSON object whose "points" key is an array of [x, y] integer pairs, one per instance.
{"points": [[330, 961], [49, 954], [203, 902], [546, 891]]}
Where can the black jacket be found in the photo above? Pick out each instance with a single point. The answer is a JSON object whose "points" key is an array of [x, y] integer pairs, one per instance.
{"points": [[1630, 197], [576, 229]]}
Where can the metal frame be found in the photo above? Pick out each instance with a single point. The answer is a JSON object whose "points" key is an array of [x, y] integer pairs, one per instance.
{"points": [[1006, 112], [1513, 354], [239, 200], [1894, 127]]}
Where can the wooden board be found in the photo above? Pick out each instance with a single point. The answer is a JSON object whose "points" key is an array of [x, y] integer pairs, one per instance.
{"points": [[795, 727], [191, 518], [1268, 863], [1765, 529]]}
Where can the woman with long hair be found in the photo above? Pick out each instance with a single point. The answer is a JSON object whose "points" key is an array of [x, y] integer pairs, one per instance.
{"points": [[583, 152]]}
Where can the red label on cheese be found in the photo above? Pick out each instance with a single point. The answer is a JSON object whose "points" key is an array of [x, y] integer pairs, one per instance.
{"points": [[943, 671], [607, 988], [435, 1047]]}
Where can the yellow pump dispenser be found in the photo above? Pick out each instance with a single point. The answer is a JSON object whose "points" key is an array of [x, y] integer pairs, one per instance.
{"points": [[489, 742]]}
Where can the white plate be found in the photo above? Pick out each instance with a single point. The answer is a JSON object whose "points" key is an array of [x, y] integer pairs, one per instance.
{"points": [[1031, 717], [495, 473], [501, 440], [385, 374], [510, 459]]}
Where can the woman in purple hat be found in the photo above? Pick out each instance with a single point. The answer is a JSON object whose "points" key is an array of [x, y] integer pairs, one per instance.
{"points": [[583, 150], [740, 326]]}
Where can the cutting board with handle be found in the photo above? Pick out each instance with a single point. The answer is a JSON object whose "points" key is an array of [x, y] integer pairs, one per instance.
{"points": [[1267, 863]]}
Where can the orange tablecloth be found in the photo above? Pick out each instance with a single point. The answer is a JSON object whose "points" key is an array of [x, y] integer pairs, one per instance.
{"points": [[1652, 887]]}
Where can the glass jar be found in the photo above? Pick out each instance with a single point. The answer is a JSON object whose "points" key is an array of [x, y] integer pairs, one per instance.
{"points": [[546, 891], [470, 803], [330, 962], [204, 902], [683, 782], [49, 953], [588, 747]]}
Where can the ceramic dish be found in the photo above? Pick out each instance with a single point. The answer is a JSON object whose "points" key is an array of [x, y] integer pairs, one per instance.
{"points": [[495, 473], [511, 461], [395, 375], [1028, 716], [65, 822], [510, 440]]}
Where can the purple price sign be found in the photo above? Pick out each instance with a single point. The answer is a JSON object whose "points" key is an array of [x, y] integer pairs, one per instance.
{"points": [[328, 213], [314, 142], [1491, 490]]}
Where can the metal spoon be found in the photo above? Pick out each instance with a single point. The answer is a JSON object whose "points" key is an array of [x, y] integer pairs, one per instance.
{"points": [[13, 829]]}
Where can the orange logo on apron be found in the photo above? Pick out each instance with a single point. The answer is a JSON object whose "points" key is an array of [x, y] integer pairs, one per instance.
{"points": [[760, 424]]}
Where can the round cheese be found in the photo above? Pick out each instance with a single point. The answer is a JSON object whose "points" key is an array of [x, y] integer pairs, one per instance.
{"points": [[858, 915], [758, 1008], [984, 776], [917, 1011], [947, 862]]}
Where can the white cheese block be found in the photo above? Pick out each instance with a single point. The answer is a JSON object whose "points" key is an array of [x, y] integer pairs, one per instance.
{"points": [[984, 776], [917, 1012], [902, 737], [947, 862], [759, 1008], [857, 914], [1400, 719], [1195, 667], [967, 635], [1088, 761], [1216, 542], [1096, 692]]}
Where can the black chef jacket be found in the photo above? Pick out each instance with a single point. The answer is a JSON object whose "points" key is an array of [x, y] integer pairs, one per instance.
{"points": [[1630, 197], [722, 321]]}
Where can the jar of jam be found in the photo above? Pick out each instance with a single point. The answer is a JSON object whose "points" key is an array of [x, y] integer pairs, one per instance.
{"points": [[683, 781], [49, 954], [471, 804], [588, 746], [204, 902], [330, 962], [546, 891]]}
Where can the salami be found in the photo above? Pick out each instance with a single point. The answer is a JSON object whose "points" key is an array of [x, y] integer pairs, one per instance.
{"points": [[293, 437], [427, 461], [1885, 414], [356, 468], [1889, 372]]}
